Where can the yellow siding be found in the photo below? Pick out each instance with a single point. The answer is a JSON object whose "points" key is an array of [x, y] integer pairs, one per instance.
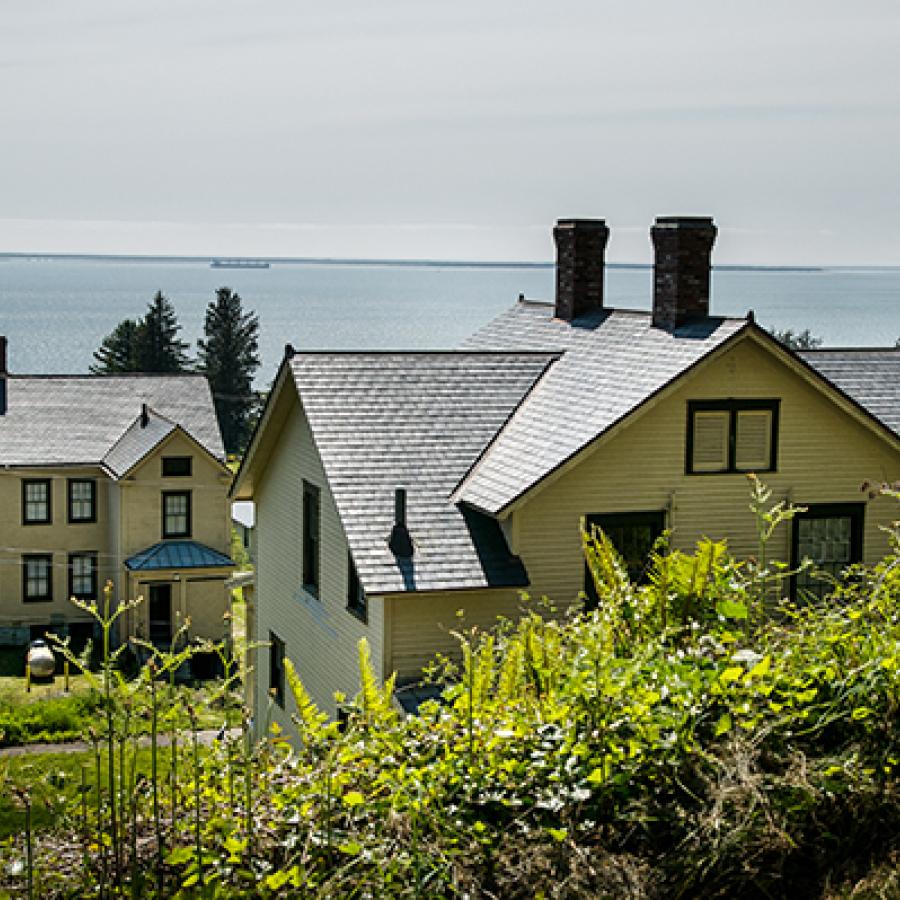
{"points": [[142, 499], [320, 635], [823, 457], [421, 624], [59, 538]]}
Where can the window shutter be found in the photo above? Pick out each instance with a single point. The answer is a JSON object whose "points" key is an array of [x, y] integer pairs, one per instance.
{"points": [[753, 439], [710, 448]]}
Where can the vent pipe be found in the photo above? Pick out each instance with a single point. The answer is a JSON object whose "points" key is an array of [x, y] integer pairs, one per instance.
{"points": [[145, 415], [400, 541]]}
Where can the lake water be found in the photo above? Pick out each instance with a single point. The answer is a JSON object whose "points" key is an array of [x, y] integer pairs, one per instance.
{"points": [[55, 312]]}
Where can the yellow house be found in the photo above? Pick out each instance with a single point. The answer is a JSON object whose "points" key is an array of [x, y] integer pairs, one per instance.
{"points": [[111, 478], [394, 489]]}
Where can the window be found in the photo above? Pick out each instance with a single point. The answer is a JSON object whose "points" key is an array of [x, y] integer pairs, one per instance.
{"points": [[633, 535], [176, 466], [311, 538], [831, 535], [732, 436], [356, 596], [276, 668], [176, 514], [83, 576], [37, 577], [82, 496], [36, 501]]}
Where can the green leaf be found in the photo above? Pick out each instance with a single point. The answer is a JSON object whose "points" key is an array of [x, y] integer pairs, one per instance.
{"points": [[350, 848], [353, 798], [861, 712], [723, 725], [761, 668], [731, 609], [277, 880], [558, 834], [732, 673]]}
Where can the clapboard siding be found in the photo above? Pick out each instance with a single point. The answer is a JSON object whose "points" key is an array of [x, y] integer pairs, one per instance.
{"points": [[320, 635], [421, 625], [823, 457]]}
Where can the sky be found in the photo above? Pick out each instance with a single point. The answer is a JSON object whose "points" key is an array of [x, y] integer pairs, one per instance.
{"points": [[453, 130]]}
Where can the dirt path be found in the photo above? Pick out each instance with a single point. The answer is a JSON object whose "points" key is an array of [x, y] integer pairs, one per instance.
{"points": [[207, 736]]}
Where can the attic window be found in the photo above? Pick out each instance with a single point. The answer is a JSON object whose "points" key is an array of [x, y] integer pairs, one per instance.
{"points": [[176, 466], [732, 436]]}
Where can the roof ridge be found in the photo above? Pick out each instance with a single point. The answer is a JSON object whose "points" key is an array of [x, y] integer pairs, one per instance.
{"points": [[91, 375], [451, 352]]}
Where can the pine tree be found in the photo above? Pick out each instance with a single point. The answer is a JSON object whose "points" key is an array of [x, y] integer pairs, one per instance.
{"points": [[228, 356], [158, 346], [117, 352]]}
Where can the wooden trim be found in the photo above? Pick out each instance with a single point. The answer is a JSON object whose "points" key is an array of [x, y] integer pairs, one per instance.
{"points": [[732, 406], [857, 514], [48, 484], [70, 483]]}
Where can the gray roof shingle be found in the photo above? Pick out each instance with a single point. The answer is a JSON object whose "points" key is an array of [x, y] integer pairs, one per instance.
{"points": [[414, 420], [139, 440], [75, 419], [869, 376], [614, 360]]}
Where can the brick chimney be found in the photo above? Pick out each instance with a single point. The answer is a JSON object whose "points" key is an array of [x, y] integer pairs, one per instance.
{"points": [[683, 245], [3, 374], [580, 249]]}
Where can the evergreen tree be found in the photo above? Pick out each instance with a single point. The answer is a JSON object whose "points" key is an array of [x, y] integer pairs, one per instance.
{"points": [[158, 346], [228, 356], [117, 352]]}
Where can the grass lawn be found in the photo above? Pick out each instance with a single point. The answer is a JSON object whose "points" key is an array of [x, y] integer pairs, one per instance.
{"points": [[54, 782]]}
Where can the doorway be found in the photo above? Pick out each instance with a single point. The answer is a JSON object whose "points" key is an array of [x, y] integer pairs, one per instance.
{"points": [[160, 614]]}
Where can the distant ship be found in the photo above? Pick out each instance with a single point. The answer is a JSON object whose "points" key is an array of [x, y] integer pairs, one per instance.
{"points": [[239, 264]]}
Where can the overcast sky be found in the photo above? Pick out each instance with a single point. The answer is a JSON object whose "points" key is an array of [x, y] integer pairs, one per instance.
{"points": [[449, 130]]}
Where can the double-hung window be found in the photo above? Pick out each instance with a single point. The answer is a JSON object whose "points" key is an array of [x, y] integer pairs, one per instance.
{"points": [[82, 500], [732, 436], [37, 577], [36, 506], [311, 507], [83, 576], [176, 514], [831, 535]]}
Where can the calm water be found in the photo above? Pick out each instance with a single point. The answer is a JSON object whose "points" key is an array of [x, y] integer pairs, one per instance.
{"points": [[55, 312]]}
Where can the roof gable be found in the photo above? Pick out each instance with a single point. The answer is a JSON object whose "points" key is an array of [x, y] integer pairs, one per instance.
{"points": [[614, 362]]}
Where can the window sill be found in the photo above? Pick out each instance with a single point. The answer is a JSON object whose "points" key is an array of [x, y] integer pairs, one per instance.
{"points": [[37, 599]]}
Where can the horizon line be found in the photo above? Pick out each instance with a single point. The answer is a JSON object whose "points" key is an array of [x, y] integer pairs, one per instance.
{"points": [[398, 262]]}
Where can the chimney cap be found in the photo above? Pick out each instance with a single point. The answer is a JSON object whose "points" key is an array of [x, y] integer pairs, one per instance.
{"points": [[684, 222], [581, 223]]}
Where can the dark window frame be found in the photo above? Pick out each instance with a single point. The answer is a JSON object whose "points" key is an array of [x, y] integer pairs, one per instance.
{"points": [[856, 511], [166, 495], [656, 518], [276, 668], [357, 603], [37, 557], [174, 462], [70, 484], [93, 591], [732, 407], [312, 533], [48, 485]]}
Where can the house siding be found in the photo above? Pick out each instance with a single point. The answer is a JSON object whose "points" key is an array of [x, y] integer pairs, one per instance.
{"points": [[422, 625], [319, 634], [823, 457], [58, 538]]}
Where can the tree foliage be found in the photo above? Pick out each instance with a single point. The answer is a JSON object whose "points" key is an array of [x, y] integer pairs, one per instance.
{"points": [[118, 351], [228, 356], [148, 344], [797, 340]]}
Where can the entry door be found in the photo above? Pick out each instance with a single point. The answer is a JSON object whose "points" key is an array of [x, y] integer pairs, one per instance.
{"points": [[633, 535], [160, 611]]}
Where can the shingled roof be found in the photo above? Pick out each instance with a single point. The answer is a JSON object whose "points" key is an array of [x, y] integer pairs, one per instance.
{"points": [[414, 420], [869, 376], [614, 361], [54, 420]]}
